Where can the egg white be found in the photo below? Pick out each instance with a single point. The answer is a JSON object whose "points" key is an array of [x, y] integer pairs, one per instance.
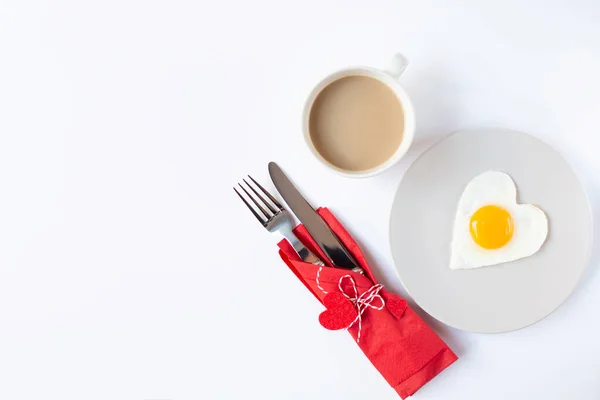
{"points": [[530, 223]]}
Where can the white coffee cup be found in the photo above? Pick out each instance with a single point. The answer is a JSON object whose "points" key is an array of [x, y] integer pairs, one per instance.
{"points": [[389, 78]]}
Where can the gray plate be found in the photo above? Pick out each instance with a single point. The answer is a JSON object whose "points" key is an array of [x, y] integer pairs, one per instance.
{"points": [[498, 298]]}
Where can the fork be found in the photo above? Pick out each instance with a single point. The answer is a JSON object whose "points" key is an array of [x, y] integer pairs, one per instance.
{"points": [[276, 220]]}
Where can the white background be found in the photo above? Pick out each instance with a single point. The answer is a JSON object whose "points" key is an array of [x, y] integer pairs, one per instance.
{"points": [[130, 270]]}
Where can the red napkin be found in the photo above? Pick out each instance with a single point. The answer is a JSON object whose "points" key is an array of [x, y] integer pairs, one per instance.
{"points": [[406, 351]]}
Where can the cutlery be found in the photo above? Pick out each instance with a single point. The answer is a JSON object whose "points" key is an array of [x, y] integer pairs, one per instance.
{"points": [[314, 224], [277, 219]]}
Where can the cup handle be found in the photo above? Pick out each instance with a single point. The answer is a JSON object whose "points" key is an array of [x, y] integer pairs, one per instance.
{"points": [[397, 66]]}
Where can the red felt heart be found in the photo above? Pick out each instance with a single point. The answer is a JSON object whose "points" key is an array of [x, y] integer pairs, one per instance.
{"points": [[396, 305], [340, 312]]}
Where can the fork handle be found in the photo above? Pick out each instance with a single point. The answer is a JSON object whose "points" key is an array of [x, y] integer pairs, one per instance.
{"points": [[305, 254], [308, 256]]}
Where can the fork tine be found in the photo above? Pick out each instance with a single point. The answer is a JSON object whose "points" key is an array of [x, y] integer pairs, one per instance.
{"points": [[260, 197], [254, 200], [250, 207], [273, 199]]}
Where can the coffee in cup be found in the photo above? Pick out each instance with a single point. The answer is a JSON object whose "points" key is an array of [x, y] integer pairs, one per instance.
{"points": [[359, 121], [356, 123]]}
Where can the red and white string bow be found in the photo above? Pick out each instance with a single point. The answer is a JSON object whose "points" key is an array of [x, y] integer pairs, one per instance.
{"points": [[346, 309]]}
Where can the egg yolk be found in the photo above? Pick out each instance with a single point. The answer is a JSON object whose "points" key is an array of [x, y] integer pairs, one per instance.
{"points": [[491, 227]]}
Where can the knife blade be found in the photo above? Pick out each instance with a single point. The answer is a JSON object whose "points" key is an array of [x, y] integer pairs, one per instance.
{"points": [[314, 224]]}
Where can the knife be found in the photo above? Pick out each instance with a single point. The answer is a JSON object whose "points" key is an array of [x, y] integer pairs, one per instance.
{"points": [[314, 224]]}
